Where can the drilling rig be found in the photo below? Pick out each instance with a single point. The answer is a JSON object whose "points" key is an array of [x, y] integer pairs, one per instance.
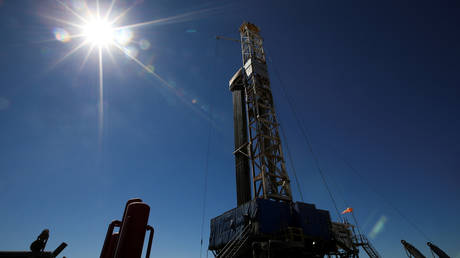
{"points": [[267, 222]]}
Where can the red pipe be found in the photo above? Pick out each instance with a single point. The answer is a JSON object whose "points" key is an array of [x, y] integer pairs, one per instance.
{"points": [[132, 232]]}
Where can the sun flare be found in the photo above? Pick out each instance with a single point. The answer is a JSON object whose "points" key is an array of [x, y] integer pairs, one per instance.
{"points": [[98, 26], [98, 32]]}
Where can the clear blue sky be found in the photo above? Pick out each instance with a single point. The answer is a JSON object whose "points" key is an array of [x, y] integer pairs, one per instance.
{"points": [[374, 83]]}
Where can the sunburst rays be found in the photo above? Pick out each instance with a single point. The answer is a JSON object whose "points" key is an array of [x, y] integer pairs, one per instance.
{"points": [[81, 22]]}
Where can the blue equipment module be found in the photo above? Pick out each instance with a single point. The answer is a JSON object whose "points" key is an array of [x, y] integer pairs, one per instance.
{"points": [[269, 219]]}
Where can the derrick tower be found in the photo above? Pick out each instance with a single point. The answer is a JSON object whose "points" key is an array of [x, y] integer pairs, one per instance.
{"points": [[267, 222], [254, 114]]}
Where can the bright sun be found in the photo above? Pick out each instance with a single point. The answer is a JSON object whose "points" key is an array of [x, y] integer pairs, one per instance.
{"points": [[98, 32]]}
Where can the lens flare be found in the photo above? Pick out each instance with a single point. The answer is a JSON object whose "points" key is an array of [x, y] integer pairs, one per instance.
{"points": [[378, 227], [144, 44], [131, 52], [151, 68], [98, 29], [77, 4], [123, 36], [61, 35]]}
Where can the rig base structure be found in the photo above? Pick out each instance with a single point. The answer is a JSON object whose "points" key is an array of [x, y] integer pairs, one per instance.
{"points": [[268, 228]]}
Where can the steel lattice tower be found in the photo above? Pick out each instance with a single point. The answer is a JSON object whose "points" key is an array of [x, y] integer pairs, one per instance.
{"points": [[269, 176], [267, 222]]}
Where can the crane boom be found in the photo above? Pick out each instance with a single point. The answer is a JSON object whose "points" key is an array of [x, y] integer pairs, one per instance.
{"points": [[437, 250], [413, 252]]}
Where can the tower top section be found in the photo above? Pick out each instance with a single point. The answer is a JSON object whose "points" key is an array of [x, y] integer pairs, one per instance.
{"points": [[249, 26]]}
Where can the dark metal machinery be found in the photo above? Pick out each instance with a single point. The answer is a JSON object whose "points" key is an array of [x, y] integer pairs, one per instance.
{"points": [[411, 251], [128, 242], [266, 222], [240, 123], [437, 250], [37, 249]]}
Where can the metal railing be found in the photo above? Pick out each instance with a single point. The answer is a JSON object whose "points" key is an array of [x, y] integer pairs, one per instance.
{"points": [[235, 244], [361, 240]]}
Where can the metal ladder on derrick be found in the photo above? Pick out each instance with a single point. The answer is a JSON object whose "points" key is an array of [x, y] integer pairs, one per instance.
{"points": [[361, 240], [232, 248]]}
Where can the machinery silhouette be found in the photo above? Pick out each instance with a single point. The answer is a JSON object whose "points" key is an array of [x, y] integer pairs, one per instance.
{"points": [[37, 249], [128, 242]]}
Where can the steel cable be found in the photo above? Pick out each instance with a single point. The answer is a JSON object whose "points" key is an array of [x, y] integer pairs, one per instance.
{"points": [[306, 137]]}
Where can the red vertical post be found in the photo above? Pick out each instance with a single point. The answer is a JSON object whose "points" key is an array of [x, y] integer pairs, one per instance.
{"points": [[132, 232]]}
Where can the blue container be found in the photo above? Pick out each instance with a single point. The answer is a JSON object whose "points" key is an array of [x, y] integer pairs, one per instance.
{"points": [[315, 223], [271, 217]]}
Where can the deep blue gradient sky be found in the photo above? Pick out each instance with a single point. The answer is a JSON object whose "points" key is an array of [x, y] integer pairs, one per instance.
{"points": [[375, 84]]}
